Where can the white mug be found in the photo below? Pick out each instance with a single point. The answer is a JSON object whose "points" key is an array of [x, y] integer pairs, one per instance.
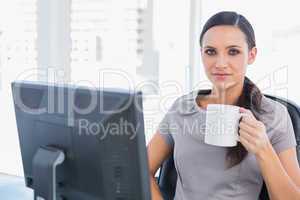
{"points": [[222, 125]]}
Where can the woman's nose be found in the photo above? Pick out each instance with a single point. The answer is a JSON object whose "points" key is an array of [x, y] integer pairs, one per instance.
{"points": [[221, 62]]}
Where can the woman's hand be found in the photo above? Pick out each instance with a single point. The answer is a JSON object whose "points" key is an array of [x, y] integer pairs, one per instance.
{"points": [[252, 132]]}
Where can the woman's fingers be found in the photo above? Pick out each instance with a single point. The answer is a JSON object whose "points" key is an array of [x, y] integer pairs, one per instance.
{"points": [[246, 127]]}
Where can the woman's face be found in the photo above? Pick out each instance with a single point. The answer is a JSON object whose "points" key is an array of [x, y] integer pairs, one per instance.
{"points": [[225, 56]]}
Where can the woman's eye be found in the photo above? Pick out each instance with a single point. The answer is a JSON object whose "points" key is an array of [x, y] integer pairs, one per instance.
{"points": [[233, 52], [210, 52]]}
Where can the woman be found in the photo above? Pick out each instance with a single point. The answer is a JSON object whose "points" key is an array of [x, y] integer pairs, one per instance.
{"points": [[266, 151]]}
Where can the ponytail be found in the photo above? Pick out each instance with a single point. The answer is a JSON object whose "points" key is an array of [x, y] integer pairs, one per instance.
{"points": [[250, 99]]}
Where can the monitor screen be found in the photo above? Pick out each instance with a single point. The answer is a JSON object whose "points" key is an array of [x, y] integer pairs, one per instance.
{"points": [[81, 143]]}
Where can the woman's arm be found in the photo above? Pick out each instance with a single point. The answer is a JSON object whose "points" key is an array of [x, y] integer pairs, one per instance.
{"points": [[281, 173], [158, 151]]}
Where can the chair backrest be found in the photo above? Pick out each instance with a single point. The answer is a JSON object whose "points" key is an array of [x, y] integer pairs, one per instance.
{"points": [[168, 175]]}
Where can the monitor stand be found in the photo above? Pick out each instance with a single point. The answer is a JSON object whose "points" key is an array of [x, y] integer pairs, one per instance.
{"points": [[45, 161]]}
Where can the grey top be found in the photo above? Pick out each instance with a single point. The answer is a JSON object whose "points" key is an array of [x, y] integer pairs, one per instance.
{"points": [[201, 168]]}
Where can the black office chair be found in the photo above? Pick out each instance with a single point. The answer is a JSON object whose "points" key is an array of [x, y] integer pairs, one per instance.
{"points": [[168, 176]]}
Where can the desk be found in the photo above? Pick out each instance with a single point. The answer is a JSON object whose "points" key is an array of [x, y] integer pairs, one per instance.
{"points": [[13, 188]]}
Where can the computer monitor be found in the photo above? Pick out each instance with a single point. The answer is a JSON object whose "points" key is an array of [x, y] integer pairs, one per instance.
{"points": [[79, 143]]}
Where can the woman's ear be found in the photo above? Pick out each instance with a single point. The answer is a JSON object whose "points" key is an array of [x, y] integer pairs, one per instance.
{"points": [[252, 55]]}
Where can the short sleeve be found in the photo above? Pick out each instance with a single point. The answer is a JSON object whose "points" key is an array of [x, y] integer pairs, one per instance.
{"points": [[284, 136], [165, 126], [164, 130]]}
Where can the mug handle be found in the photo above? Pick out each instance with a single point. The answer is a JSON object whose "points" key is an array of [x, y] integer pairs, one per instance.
{"points": [[241, 115]]}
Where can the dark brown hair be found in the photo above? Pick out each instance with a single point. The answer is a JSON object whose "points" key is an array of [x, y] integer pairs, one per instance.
{"points": [[251, 95]]}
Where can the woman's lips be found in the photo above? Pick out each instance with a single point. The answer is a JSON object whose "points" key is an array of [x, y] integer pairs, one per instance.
{"points": [[221, 76]]}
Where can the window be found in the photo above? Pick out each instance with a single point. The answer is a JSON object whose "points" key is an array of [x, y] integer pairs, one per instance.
{"points": [[107, 35], [17, 61]]}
